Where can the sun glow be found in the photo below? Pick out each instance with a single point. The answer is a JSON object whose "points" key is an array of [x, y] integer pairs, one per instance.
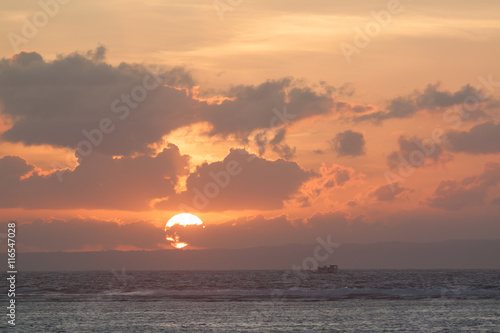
{"points": [[174, 239], [184, 219]]}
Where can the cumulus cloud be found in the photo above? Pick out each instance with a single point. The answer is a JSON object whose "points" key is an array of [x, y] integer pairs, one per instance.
{"points": [[63, 102], [480, 139], [431, 99], [261, 142], [389, 192], [54, 102], [277, 143], [349, 143], [98, 54], [470, 191], [416, 153], [241, 181], [263, 107], [356, 108], [336, 175], [12, 168], [345, 89], [327, 179], [101, 181], [280, 147]]}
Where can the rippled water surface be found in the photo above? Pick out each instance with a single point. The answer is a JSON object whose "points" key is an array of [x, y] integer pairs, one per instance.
{"points": [[259, 301]]}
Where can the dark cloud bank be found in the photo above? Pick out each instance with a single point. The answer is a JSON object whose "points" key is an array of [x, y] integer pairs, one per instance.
{"points": [[57, 102]]}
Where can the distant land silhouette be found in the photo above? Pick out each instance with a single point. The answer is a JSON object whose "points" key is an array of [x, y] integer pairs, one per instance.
{"points": [[453, 254]]}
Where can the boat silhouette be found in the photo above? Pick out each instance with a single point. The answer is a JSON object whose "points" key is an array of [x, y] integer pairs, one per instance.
{"points": [[328, 269]]}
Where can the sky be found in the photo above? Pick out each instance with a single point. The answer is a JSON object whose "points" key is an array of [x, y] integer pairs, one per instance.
{"points": [[272, 122]]}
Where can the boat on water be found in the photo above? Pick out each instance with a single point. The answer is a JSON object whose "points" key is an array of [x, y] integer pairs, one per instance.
{"points": [[328, 269]]}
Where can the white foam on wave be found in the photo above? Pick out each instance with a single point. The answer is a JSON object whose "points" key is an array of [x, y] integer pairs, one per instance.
{"points": [[301, 293]]}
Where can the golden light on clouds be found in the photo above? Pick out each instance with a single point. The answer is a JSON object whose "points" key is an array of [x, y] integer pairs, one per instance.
{"points": [[354, 118]]}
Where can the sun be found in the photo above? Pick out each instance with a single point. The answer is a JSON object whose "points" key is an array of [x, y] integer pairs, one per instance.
{"points": [[184, 219]]}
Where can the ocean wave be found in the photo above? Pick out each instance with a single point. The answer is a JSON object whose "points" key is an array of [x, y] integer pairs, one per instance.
{"points": [[271, 294], [258, 285], [300, 293]]}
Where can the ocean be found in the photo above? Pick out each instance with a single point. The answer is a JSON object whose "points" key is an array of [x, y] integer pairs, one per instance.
{"points": [[258, 301]]}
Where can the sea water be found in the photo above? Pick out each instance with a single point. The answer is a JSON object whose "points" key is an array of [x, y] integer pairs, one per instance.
{"points": [[258, 301]]}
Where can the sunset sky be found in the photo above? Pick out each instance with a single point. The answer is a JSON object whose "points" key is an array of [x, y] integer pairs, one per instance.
{"points": [[274, 122]]}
